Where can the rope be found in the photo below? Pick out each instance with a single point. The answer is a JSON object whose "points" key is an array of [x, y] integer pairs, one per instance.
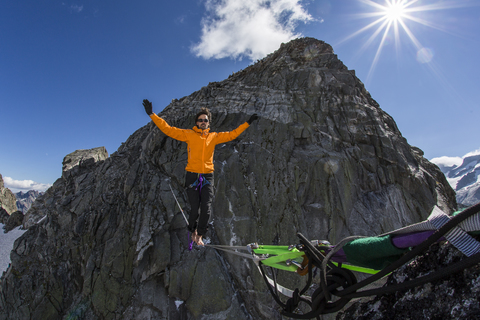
{"points": [[230, 249], [327, 259], [190, 244], [257, 260], [273, 283], [178, 203]]}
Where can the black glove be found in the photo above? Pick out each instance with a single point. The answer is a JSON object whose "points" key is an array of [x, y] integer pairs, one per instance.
{"points": [[252, 118], [148, 106]]}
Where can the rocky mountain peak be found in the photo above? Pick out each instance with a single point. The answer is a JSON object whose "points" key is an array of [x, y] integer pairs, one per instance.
{"points": [[82, 159], [301, 53], [76, 167], [7, 198], [304, 65], [26, 199], [107, 240]]}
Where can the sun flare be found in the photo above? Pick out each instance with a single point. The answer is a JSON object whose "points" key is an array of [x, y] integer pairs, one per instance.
{"points": [[391, 19], [395, 11]]}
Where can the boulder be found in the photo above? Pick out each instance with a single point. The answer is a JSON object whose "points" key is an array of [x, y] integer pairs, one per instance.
{"points": [[14, 220]]}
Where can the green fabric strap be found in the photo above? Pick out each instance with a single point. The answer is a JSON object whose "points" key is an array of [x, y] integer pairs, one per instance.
{"points": [[279, 256], [372, 252], [272, 249], [355, 268], [367, 255]]}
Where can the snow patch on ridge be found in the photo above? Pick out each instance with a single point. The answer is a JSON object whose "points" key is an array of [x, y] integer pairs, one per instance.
{"points": [[6, 245]]}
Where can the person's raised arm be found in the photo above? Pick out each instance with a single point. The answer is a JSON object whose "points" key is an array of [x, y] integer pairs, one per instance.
{"points": [[223, 137], [148, 106], [172, 132]]}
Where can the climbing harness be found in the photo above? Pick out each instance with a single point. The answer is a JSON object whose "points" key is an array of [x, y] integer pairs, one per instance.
{"points": [[199, 183], [377, 256]]}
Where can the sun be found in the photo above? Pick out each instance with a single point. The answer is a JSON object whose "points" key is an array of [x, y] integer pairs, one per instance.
{"points": [[392, 19], [395, 11]]}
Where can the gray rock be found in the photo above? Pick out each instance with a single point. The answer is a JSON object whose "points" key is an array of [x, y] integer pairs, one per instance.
{"points": [[7, 198], [107, 240], [76, 169], [80, 160], [3, 216], [13, 221]]}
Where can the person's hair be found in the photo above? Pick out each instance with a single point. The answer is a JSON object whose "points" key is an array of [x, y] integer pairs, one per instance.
{"points": [[206, 112]]}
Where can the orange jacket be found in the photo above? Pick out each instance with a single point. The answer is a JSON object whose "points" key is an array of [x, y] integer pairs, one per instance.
{"points": [[201, 143]]}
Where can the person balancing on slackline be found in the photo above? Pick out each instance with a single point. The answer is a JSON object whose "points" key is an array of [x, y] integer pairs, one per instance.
{"points": [[199, 178]]}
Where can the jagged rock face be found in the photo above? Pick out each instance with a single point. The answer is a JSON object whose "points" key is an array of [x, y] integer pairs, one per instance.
{"points": [[108, 242], [76, 161], [75, 167], [7, 198], [26, 199]]}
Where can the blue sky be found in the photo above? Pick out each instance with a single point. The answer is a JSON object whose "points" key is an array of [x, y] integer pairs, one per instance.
{"points": [[73, 74]]}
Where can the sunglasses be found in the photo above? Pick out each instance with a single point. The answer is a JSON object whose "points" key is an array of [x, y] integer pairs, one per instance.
{"points": [[202, 120]]}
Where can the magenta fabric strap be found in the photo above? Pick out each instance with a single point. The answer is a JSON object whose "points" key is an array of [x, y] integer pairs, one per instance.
{"points": [[200, 184], [190, 246]]}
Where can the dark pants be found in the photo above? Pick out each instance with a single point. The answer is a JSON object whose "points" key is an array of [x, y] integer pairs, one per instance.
{"points": [[200, 201]]}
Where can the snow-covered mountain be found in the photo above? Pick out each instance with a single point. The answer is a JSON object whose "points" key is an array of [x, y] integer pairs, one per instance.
{"points": [[463, 174], [26, 199]]}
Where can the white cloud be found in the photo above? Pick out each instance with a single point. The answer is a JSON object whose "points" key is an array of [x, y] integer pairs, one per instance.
{"points": [[24, 185], [181, 19], [473, 153], [76, 8], [251, 28], [447, 162]]}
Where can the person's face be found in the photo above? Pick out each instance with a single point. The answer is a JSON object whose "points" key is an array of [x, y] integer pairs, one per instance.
{"points": [[203, 122]]}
